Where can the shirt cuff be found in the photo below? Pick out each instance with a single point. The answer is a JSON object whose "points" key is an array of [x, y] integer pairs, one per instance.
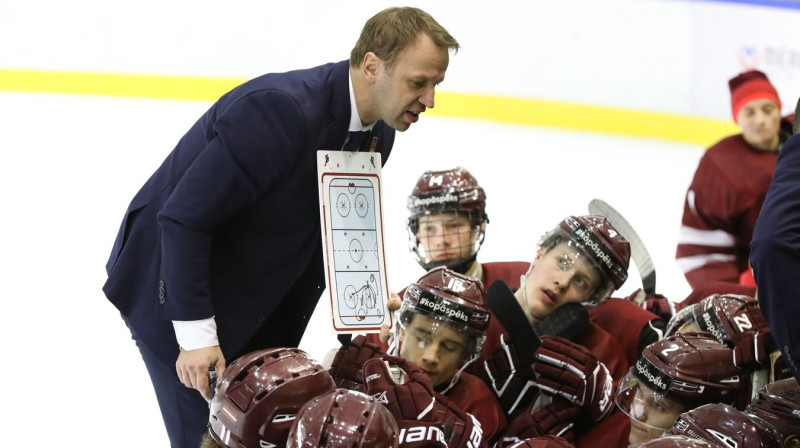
{"points": [[194, 334]]}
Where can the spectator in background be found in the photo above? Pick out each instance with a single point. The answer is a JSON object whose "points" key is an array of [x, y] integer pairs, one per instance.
{"points": [[725, 196], [775, 255]]}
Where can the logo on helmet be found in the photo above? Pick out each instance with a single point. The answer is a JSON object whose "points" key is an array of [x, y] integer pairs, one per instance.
{"points": [[654, 378], [449, 310], [710, 323], [431, 200]]}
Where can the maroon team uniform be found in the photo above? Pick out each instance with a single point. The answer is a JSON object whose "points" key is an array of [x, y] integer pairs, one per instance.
{"points": [[721, 207]]}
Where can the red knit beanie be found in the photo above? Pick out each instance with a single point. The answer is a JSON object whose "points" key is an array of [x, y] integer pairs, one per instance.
{"points": [[748, 86]]}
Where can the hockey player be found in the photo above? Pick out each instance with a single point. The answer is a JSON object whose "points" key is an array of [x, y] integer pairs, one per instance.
{"points": [[258, 396], [778, 404], [672, 376], [447, 225], [343, 419], [736, 321], [423, 415], [729, 185], [581, 261], [723, 426]]}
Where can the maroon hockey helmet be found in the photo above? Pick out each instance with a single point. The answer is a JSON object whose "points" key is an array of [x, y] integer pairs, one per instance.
{"points": [[778, 404], [548, 441], [448, 191], [723, 315], [689, 368], [726, 427], [674, 442], [259, 395], [343, 419], [600, 242], [450, 298]]}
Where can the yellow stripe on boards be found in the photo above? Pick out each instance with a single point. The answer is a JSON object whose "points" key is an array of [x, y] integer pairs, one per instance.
{"points": [[581, 117], [111, 84], [508, 110]]}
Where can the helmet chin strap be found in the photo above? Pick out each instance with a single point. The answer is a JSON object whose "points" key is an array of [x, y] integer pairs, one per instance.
{"points": [[454, 380], [460, 266], [523, 286]]}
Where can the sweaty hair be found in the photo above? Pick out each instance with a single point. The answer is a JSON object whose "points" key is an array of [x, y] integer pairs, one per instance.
{"points": [[390, 31]]}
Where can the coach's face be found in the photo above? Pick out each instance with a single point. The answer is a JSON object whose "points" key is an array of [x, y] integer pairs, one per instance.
{"points": [[406, 89]]}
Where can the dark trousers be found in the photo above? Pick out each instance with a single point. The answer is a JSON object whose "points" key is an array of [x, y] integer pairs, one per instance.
{"points": [[184, 410]]}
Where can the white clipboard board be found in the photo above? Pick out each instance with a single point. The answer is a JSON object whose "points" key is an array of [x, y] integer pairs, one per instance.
{"points": [[351, 217]]}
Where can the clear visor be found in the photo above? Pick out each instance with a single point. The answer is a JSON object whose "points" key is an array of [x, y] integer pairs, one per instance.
{"points": [[445, 239], [428, 328], [572, 256], [640, 403], [682, 321]]}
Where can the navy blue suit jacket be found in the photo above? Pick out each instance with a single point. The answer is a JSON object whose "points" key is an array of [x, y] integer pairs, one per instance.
{"points": [[775, 254], [229, 222]]}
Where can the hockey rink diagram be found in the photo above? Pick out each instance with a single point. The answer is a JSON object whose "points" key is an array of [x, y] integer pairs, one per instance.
{"points": [[356, 258]]}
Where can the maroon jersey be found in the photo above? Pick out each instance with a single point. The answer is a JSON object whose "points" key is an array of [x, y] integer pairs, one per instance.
{"points": [[721, 207], [472, 395], [612, 432], [626, 321]]}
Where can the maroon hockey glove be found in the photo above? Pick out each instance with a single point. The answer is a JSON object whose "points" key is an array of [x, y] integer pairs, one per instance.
{"points": [[511, 379], [568, 370], [752, 349], [556, 418], [347, 365], [417, 402], [655, 303], [414, 434]]}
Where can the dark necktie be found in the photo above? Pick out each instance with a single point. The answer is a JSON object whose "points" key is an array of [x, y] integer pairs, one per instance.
{"points": [[355, 139]]}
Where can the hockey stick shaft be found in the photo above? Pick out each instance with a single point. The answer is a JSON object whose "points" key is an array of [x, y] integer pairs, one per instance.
{"points": [[639, 253]]}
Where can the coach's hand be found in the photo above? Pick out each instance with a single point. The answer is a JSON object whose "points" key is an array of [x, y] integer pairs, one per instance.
{"points": [[192, 367]]}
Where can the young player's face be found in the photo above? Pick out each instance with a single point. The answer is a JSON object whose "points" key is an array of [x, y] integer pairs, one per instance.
{"points": [[651, 415], [760, 121], [405, 90], [435, 347], [445, 236], [559, 276]]}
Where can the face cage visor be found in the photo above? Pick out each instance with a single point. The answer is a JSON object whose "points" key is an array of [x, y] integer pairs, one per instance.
{"points": [[450, 238], [628, 399], [578, 251]]}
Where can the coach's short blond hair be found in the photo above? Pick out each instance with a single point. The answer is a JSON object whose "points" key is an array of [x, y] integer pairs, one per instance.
{"points": [[390, 31]]}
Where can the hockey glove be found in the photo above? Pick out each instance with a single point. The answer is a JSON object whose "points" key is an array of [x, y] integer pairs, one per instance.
{"points": [[556, 418], [347, 365], [655, 303], [511, 379], [568, 370], [414, 402], [752, 349]]}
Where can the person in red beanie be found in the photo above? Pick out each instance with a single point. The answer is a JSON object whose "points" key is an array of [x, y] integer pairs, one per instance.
{"points": [[729, 185]]}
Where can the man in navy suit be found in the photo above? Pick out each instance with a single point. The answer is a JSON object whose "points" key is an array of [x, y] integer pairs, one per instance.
{"points": [[775, 251], [220, 252]]}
